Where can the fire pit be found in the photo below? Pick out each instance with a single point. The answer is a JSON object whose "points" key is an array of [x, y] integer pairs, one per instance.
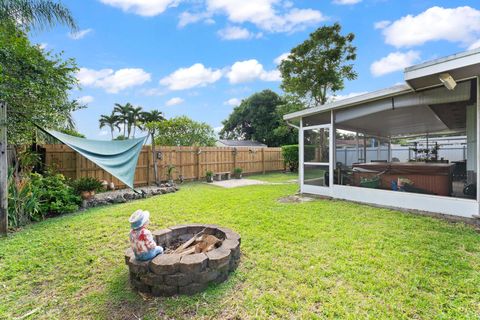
{"points": [[195, 256]]}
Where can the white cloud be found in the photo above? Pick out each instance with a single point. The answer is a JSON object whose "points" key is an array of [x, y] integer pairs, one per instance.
{"points": [[174, 101], [79, 34], [147, 8], [281, 57], [113, 81], [346, 1], [265, 14], [474, 45], [217, 129], [395, 61], [461, 24], [249, 70], [187, 18], [43, 45], [85, 99], [381, 24], [195, 76], [235, 33], [153, 92], [233, 102], [103, 133]]}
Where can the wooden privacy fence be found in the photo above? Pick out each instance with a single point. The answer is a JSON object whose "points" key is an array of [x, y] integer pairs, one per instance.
{"points": [[190, 162]]}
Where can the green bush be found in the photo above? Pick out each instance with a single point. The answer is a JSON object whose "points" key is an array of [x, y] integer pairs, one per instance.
{"points": [[87, 184], [55, 195], [237, 171], [23, 201], [290, 156]]}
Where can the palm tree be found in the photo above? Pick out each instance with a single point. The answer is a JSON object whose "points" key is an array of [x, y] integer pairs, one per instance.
{"points": [[147, 120], [36, 13], [123, 113], [134, 117], [111, 121]]}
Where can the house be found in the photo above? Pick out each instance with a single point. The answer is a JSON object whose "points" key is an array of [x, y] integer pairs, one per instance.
{"points": [[440, 98], [240, 143]]}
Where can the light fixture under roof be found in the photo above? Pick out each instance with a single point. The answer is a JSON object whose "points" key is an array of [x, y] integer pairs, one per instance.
{"points": [[447, 81]]}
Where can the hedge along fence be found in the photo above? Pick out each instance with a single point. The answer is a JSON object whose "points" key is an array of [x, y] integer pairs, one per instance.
{"points": [[190, 162]]}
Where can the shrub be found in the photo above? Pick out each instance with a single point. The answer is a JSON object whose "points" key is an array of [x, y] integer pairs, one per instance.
{"points": [[87, 184], [55, 195], [23, 201], [290, 156], [237, 171]]}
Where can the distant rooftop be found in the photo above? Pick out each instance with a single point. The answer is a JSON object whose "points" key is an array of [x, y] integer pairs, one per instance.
{"points": [[240, 143]]}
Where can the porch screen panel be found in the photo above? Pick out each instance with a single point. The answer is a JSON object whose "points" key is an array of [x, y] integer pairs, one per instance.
{"points": [[316, 151]]}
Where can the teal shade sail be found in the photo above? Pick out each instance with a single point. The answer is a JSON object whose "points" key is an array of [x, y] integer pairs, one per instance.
{"points": [[117, 157]]}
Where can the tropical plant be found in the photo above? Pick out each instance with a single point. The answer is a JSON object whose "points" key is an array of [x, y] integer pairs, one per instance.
{"points": [[317, 67], [23, 201], [148, 122], [123, 114], [87, 184], [290, 157], [110, 121], [36, 13], [134, 120]]}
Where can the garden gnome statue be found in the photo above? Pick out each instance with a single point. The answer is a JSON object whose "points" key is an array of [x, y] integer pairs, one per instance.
{"points": [[141, 239]]}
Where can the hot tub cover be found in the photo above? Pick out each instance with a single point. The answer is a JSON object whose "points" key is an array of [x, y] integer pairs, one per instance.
{"points": [[118, 157]]}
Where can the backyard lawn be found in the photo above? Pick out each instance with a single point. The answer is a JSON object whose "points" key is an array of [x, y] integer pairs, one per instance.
{"points": [[319, 259]]}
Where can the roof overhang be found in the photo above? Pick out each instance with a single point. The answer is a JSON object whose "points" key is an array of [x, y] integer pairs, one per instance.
{"points": [[356, 100], [461, 66]]}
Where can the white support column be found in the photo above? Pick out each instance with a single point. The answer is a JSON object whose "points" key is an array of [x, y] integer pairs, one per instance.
{"points": [[357, 147], [477, 158], [389, 159], [379, 142], [332, 152], [300, 155]]}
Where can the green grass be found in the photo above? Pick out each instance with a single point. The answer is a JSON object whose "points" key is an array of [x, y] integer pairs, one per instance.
{"points": [[275, 177], [320, 259]]}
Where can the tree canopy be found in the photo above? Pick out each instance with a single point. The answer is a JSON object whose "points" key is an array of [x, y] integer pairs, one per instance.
{"points": [[259, 117], [34, 83], [36, 13], [317, 67], [182, 131]]}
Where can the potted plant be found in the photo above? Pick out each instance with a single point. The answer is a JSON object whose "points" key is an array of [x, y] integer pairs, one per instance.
{"points": [[87, 186], [237, 172], [209, 176], [170, 169]]}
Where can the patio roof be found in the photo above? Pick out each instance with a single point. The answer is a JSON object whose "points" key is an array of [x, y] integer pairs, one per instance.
{"points": [[460, 66]]}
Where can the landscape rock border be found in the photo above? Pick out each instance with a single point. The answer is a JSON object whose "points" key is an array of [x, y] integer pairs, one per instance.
{"points": [[126, 195], [172, 274]]}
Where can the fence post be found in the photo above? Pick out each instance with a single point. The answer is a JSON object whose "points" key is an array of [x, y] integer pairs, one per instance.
{"points": [[78, 164], [263, 160], [234, 152], [197, 162], [3, 170], [149, 154]]}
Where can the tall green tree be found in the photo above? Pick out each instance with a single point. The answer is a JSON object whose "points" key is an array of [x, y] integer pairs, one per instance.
{"points": [[35, 84], [318, 67], [123, 114], [36, 13], [110, 121], [134, 120], [259, 117], [148, 121], [183, 131]]}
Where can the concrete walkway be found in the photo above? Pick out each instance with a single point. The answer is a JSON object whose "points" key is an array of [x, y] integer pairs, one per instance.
{"points": [[233, 183]]}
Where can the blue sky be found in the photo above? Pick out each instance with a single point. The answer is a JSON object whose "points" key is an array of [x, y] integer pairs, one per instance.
{"points": [[201, 57]]}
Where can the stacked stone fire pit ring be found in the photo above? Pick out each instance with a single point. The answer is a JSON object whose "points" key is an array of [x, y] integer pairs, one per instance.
{"points": [[170, 274]]}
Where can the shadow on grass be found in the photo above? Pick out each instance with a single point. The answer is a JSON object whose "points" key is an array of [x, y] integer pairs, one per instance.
{"points": [[122, 302]]}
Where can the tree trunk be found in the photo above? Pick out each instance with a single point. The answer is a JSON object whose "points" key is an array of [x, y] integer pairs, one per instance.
{"points": [[154, 155]]}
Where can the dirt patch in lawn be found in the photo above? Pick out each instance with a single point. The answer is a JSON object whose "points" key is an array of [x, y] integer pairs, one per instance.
{"points": [[295, 199]]}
